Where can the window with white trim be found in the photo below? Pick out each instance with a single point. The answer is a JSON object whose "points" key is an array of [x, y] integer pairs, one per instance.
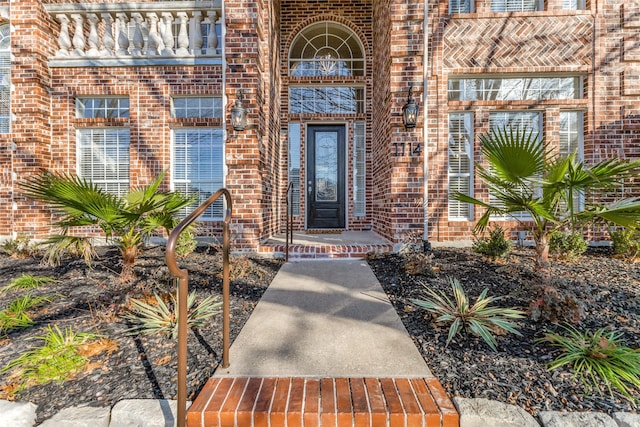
{"points": [[183, 107], [326, 49], [197, 167], [326, 100], [516, 5], [571, 141], [519, 122], [461, 6], [359, 172], [102, 107], [103, 158], [460, 163], [574, 4], [294, 165], [5, 79], [517, 88]]}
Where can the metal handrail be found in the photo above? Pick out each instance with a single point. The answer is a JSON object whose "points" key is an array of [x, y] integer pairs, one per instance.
{"points": [[289, 223], [183, 289]]}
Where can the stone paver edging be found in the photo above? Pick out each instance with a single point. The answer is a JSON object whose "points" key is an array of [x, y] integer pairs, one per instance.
{"points": [[162, 413], [484, 412]]}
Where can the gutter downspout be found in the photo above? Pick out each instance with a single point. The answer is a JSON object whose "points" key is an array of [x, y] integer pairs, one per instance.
{"points": [[425, 129]]}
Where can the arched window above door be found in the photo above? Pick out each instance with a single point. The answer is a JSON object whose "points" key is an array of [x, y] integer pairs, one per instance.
{"points": [[326, 49]]}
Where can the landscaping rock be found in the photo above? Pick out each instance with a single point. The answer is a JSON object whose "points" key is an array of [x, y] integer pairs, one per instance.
{"points": [[576, 419], [17, 414], [485, 412], [625, 419], [80, 416], [144, 413]]}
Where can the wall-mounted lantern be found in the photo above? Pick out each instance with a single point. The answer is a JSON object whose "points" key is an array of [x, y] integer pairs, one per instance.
{"points": [[239, 114], [410, 111]]}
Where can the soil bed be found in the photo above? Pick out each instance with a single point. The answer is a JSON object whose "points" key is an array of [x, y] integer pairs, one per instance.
{"points": [[93, 300], [608, 288]]}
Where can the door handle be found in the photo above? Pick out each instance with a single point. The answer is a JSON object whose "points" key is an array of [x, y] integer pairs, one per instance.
{"points": [[309, 188]]}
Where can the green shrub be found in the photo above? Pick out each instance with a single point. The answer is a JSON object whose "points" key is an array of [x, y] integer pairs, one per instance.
{"points": [[626, 243], [27, 281], [494, 246], [567, 245], [478, 319], [57, 360], [187, 241], [598, 357], [162, 318], [15, 315], [20, 247]]}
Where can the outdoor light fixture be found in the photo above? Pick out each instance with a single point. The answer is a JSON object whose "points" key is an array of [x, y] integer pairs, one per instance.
{"points": [[410, 111], [239, 114]]}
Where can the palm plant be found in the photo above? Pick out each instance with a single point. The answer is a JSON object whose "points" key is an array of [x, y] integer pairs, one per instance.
{"points": [[125, 220], [524, 176]]}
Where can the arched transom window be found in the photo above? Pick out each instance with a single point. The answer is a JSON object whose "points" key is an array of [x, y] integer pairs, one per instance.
{"points": [[326, 49]]}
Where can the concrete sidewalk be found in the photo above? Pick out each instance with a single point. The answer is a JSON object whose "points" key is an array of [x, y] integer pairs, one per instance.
{"points": [[326, 318]]}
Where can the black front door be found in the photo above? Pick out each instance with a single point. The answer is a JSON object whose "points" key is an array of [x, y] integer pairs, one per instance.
{"points": [[325, 176]]}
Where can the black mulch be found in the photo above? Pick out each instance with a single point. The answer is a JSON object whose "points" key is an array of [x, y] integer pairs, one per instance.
{"points": [[608, 288], [93, 300]]}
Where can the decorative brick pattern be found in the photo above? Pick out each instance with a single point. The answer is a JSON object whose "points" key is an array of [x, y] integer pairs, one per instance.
{"points": [[326, 402], [601, 44], [297, 251]]}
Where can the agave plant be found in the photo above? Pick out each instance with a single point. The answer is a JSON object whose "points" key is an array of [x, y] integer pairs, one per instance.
{"points": [[478, 319], [598, 357], [162, 318], [125, 220], [525, 176]]}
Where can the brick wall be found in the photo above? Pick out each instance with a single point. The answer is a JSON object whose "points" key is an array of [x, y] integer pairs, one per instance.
{"points": [[601, 44]]}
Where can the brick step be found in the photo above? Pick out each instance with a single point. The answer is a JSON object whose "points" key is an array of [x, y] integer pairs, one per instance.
{"points": [[301, 251], [312, 402]]}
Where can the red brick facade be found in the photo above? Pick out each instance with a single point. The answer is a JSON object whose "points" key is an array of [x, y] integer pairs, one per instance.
{"points": [[405, 169]]}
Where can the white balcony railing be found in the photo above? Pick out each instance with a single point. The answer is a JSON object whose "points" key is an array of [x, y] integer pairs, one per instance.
{"points": [[155, 33]]}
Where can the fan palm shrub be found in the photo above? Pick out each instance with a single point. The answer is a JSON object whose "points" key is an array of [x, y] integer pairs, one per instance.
{"points": [[125, 220], [525, 176]]}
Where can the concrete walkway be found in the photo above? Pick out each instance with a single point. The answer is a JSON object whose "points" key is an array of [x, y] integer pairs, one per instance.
{"points": [[327, 318]]}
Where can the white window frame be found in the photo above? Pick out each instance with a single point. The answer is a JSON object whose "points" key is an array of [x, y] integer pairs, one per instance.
{"points": [[566, 149], [574, 4], [196, 107], [294, 159], [461, 6], [316, 105], [468, 151], [119, 165], [522, 216], [113, 107], [216, 211], [5, 78], [507, 6], [515, 88], [359, 169]]}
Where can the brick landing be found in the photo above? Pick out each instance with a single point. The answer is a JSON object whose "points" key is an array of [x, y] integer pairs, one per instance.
{"points": [[335, 402], [345, 244]]}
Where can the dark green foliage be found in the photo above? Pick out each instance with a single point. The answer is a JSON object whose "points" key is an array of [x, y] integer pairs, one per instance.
{"points": [[494, 246], [567, 245], [626, 243]]}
